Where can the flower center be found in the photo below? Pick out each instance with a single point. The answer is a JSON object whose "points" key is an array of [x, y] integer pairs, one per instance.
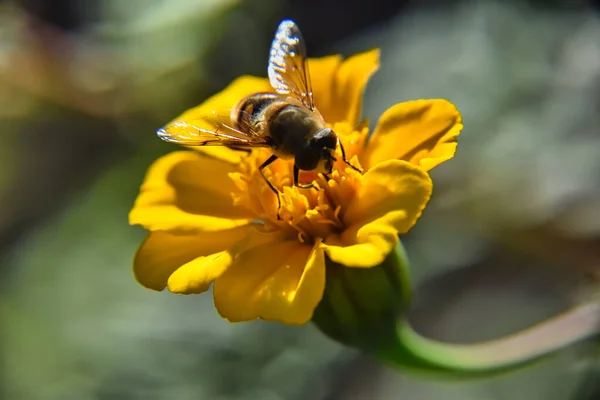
{"points": [[306, 213]]}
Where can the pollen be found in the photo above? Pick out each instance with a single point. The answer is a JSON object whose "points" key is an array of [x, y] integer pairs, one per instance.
{"points": [[306, 214]]}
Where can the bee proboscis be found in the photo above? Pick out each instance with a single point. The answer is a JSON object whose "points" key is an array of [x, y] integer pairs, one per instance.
{"points": [[285, 121]]}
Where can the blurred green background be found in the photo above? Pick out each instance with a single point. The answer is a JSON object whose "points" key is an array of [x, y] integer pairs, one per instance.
{"points": [[511, 237]]}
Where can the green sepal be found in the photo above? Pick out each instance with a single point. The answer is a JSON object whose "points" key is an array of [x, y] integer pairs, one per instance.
{"points": [[360, 306]]}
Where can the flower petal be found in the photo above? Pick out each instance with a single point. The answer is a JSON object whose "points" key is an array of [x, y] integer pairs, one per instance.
{"points": [[162, 253], [393, 193], [184, 192], [197, 275], [391, 198], [323, 73], [422, 132], [350, 84], [362, 246], [338, 86], [221, 104], [279, 281]]}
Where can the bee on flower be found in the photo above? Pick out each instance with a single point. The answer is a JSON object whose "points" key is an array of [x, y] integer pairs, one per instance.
{"points": [[287, 183]]}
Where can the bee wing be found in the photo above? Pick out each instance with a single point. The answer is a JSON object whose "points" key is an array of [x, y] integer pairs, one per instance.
{"points": [[200, 133], [288, 65]]}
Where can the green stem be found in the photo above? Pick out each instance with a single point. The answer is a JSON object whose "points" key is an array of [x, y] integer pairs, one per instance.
{"points": [[417, 352]]}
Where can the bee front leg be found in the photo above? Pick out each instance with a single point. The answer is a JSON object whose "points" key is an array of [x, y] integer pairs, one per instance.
{"points": [[269, 161], [345, 159], [301, 185]]}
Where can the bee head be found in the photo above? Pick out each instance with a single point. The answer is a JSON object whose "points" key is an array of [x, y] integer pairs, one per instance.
{"points": [[319, 152]]}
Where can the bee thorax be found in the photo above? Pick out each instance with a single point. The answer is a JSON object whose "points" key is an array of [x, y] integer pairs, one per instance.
{"points": [[291, 129]]}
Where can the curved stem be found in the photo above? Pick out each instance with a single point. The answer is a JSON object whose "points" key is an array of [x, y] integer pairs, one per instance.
{"points": [[416, 351]]}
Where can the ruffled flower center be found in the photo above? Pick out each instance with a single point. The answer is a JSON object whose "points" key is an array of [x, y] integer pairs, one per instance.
{"points": [[309, 214]]}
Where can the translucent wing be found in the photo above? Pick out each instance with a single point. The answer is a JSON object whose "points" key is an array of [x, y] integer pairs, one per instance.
{"points": [[288, 65], [200, 133]]}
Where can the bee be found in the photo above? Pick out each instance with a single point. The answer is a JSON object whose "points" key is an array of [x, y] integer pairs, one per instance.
{"points": [[285, 121]]}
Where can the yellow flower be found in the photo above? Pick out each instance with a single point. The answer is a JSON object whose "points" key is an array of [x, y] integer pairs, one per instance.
{"points": [[213, 219]]}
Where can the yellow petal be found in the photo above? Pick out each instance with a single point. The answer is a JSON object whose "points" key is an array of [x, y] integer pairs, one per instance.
{"points": [[338, 86], [278, 281], [323, 73], [422, 132], [221, 104], [197, 275], [391, 198], [362, 246], [162, 253], [185, 192], [393, 193], [350, 84]]}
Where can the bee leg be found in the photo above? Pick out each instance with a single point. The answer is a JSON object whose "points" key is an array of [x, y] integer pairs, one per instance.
{"points": [[346, 160], [273, 188], [301, 185]]}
